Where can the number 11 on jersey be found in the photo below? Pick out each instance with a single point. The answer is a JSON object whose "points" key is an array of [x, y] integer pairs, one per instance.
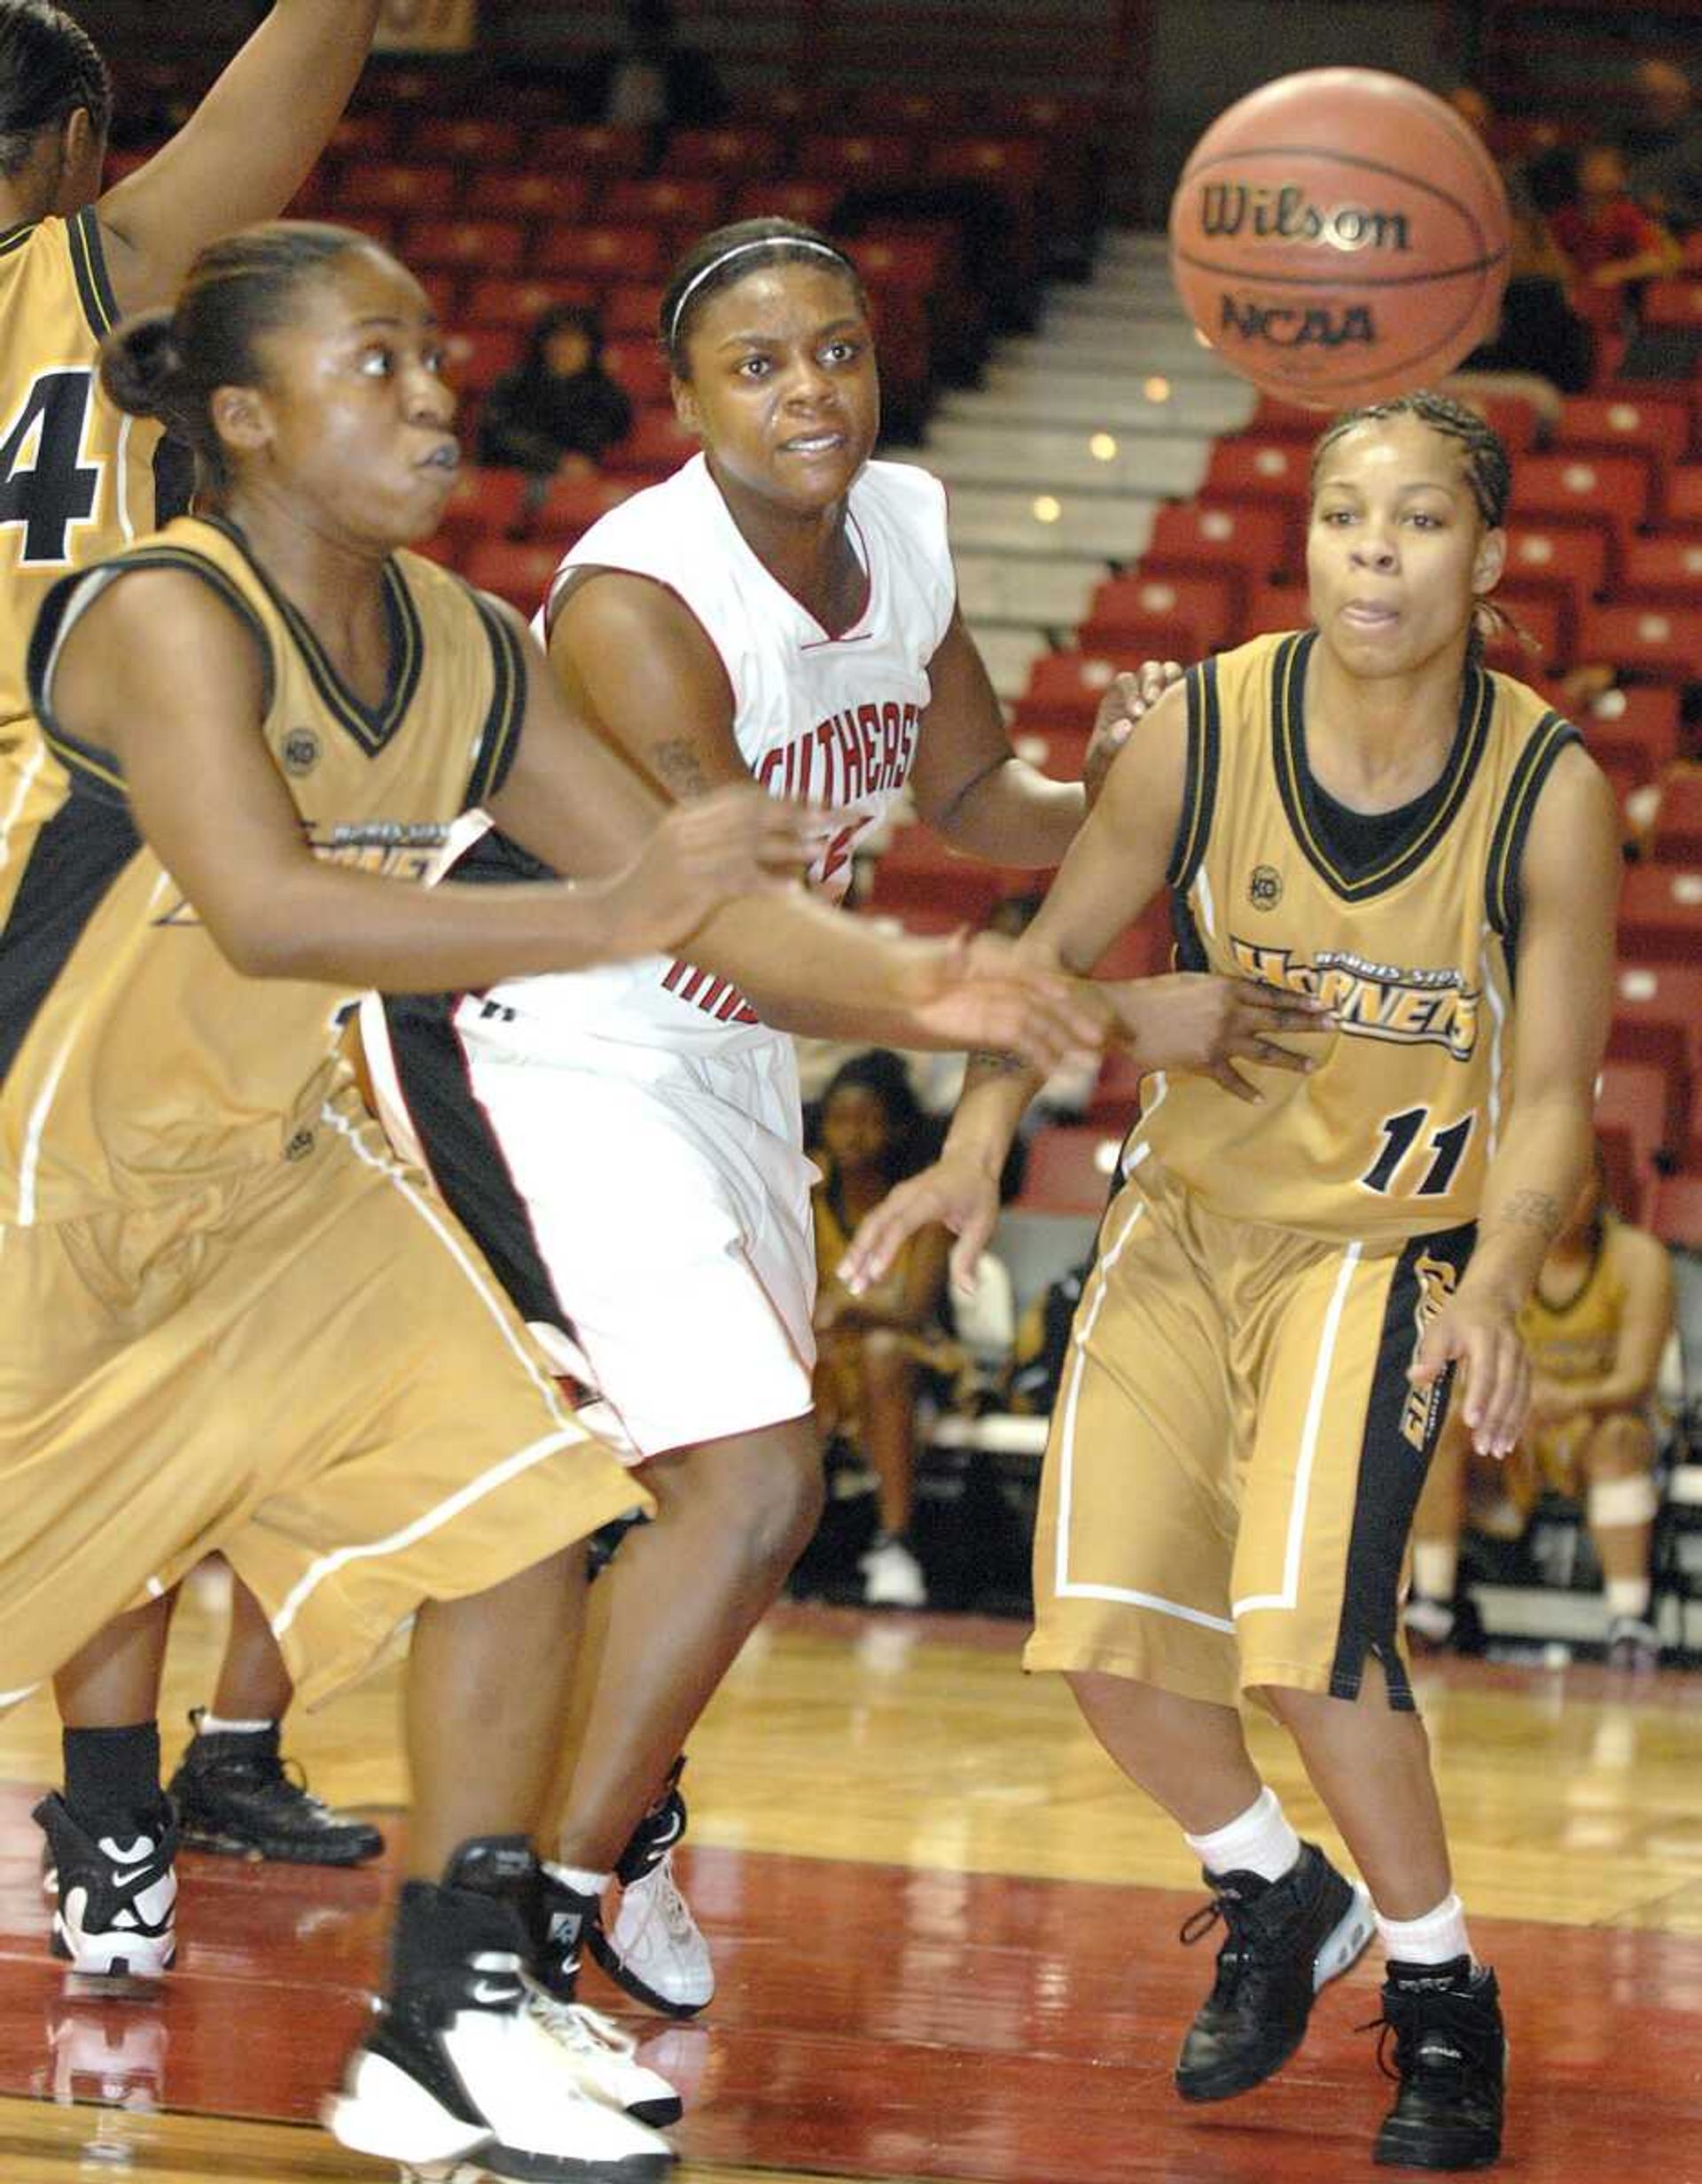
{"points": [[1401, 1133]]}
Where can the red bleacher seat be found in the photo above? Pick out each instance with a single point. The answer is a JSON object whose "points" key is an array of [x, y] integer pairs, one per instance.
{"points": [[656, 444], [518, 572], [364, 136], [677, 202], [1655, 428], [479, 355], [506, 301], [1661, 642], [484, 502], [1116, 1098], [1607, 489], [521, 195], [640, 367], [1674, 1212], [851, 157], [793, 196], [1070, 1169], [573, 504], [1143, 950], [1632, 1104], [1244, 543], [395, 186], [1250, 469], [1543, 617], [1186, 617], [735, 154], [1678, 827], [492, 246], [1667, 567], [1676, 302], [634, 307], [1647, 716], [617, 253], [1276, 607], [917, 872], [1059, 753], [1658, 1019], [470, 140], [1683, 508], [1063, 691], [599, 148], [1660, 915], [1571, 563]]}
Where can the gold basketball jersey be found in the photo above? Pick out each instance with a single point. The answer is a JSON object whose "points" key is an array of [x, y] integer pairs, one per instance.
{"points": [[1389, 1136], [1579, 1338], [133, 1060], [76, 476]]}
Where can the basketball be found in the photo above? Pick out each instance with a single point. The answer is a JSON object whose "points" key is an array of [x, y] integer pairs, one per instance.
{"points": [[1341, 235]]}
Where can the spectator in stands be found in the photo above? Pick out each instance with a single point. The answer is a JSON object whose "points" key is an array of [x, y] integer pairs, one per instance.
{"points": [[874, 1348], [1663, 146], [1606, 237], [1541, 343], [1596, 1326], [653, 82], [557, 408]]}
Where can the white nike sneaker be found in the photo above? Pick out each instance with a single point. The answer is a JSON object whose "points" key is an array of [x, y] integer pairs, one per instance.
{"points": [[892, 1576], [607, 2061], [654, 1950], [114, 1900], [457, 2070]]}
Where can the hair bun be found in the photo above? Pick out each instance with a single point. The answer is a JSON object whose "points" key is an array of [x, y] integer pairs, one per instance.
{"points": [[141, 364]]}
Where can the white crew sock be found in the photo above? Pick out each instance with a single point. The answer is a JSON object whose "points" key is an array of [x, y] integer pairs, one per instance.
{"points": [[1259, 1841], [215, 1725], [1629, 1597], [1435, 1567], [1436, 1939], [578, 1878]]}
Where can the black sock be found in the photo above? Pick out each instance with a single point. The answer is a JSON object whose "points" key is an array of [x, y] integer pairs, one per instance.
{"points": [[112, 1775]]}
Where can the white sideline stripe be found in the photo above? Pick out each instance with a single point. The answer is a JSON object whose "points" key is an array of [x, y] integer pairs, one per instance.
{"points": [[570, 1434], [1062, 1585], [1321, 1371]]}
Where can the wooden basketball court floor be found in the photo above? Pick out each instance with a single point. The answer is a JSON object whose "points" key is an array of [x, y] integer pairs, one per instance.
{"points": [[946, 1938]]}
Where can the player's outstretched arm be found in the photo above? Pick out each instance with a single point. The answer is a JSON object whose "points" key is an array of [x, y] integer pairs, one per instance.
{"points": [[205, 794], [244, 152], [1569, 887]]}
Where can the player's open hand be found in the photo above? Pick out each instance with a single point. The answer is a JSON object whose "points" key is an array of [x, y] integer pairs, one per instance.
{"points": [[988, 994], [1477, 1334], [735, 841], [956, 1192], [1195, 1021], [1129, 697]]}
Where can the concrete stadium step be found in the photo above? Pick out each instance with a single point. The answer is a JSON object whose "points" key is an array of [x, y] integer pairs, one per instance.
{"points": [[1104, 401], [1009, 654], [1096, 345], [1108, 526], [1027, 590], [1055, 461]]}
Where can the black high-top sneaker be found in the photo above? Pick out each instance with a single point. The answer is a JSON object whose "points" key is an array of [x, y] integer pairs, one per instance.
{"points": [[1284, 1939], [1451, 2060], [655, 1950], [114, 1895], [235, 1795], [456, 2065]]}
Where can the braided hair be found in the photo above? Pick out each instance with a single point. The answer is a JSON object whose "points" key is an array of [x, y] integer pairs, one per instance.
{"points": [[1488, 473], [49, 68]]}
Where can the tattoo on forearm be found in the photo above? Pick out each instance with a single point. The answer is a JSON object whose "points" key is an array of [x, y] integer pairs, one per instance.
{"points": [[1530, 1209], [677, 765], [997, 1064]]}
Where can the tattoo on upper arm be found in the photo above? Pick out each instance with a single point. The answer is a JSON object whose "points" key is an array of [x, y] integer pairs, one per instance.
{"points": [[675, 763], [1530, 1209]]}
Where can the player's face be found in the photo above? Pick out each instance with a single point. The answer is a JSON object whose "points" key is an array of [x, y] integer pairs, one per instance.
{"points": [[854, 1131], [354, 418], [784, 391], [1396, 551]]}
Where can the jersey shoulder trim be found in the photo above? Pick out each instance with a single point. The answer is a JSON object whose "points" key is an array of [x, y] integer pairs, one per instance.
{"points": [[88, 266], [1199, 777], [97, 770], [499, 739], [1547, 740]]}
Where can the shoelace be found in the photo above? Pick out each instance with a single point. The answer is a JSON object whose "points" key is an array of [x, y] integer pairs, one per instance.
{"points": [[671, 1906], [579, 2026], [287, 1774], [1452, 2057]]}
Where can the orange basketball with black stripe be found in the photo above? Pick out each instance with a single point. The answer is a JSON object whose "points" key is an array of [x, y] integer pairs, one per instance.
{"points": [[1341, 235]]}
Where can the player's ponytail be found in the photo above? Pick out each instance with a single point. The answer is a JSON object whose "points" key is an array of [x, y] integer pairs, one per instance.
{"points": [[49, 69], [170, 365]]}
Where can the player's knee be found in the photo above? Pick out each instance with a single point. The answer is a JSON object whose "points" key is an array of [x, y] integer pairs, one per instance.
{"points": [[1621, 1447], [771, 1491]]}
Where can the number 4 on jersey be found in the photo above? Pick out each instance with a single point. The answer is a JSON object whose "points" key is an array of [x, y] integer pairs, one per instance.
{"points": [[1400, 1134], [46, 485]]}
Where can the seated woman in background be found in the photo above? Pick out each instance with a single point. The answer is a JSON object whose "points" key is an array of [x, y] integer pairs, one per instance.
{"points": [[1607, 238], [557, 404], [872, 1135]]}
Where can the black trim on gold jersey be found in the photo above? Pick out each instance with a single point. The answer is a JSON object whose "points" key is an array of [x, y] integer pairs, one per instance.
{"points": [[1199, 780], [73, 864], [96, 771], [1501, 890], [371, 727], [14, 239], [500, 738], [1296, 788], [88, 265]]}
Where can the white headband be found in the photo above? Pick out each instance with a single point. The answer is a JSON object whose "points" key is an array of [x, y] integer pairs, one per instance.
{"points": [[763, 242]]}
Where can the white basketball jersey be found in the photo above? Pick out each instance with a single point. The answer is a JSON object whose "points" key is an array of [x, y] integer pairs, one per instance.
{"points": [[831, 720]]}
